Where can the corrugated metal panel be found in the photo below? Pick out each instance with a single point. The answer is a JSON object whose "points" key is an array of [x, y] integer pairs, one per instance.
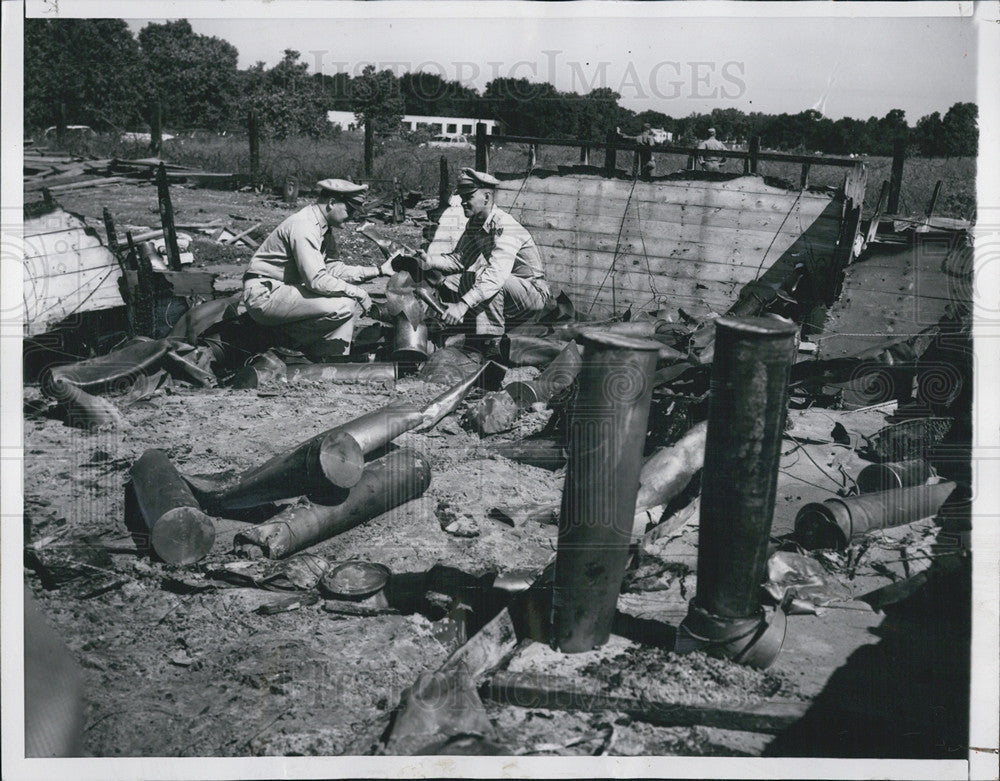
{"points": [[66, 270], [612, 243]]}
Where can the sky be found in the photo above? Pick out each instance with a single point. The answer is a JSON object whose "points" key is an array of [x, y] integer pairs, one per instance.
{"points": [[857, 67]]}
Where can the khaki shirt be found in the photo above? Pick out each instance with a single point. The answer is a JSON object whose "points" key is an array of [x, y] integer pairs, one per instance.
{"points": [[709, 144], [493, 251], [296, 253]]}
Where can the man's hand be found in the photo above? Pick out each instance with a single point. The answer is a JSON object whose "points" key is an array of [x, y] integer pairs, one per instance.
{"points": [[455, 313], [360, 295], [386, 269]]}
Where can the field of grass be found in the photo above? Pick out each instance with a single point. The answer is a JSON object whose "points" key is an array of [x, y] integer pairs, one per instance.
{"points": [[417, 168]]}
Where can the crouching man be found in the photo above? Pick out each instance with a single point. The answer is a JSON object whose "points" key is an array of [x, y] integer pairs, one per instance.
{"points": [[494, 273], [291, 285]]}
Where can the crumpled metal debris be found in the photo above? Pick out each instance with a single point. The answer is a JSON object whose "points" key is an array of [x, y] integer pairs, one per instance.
{"points": [[805, 580]]}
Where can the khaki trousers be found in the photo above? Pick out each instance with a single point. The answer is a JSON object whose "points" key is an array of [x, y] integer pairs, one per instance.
{"points": [[321, 326], [516, 301]]}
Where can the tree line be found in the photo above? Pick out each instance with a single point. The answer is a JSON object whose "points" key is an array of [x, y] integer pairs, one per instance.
{"points": [[96, 72]]}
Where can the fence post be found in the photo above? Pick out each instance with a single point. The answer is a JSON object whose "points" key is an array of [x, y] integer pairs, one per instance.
{"points": [[934, 197], [754, 151], [444, 188], [482, 148], [155, 126], [877, 217], [584, 155], [167, 219], [398, 210], [369, 148], [254, 149], [532, 155], [896, 179], [804, 178], [109, 229], [610, 153]]}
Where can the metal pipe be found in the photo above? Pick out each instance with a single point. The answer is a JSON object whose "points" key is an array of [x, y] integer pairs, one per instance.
{"points": [[376, 429], [896, 474], [448, 401], [322, 466], [746, 418], [517, 350], [389, 482], [557, 375], [668, 471], [607, 432], [835, 522], [179, 531]]}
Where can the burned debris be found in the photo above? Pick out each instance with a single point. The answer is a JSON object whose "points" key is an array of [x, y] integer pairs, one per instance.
{"points": [[697, 465]]}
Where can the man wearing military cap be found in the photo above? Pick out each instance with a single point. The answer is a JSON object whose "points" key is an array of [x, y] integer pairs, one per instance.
{"points": [[291, 285], [495, 270]]}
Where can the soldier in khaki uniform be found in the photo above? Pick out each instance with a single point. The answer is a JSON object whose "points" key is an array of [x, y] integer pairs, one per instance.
{"points": [[290, 284], [494, 271]]}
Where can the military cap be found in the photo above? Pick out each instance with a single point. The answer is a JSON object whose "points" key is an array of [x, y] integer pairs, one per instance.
{"points": [[346, 191], [470, 181]]}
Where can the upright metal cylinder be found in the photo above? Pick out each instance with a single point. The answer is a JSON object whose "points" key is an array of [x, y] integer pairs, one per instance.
{"points": [[553, 378], [410, 343], [179, 531], [746, 418], [607, 433]]}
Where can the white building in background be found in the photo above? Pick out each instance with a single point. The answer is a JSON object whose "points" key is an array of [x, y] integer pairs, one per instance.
{"points": [[439, 126]]}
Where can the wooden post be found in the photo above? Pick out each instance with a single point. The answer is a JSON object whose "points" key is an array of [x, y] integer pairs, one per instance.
{"points": [[876, 218], [109, 229], [398, 212], [143, 297], [532, 155], [754, 151], [804, 179], [896, 179], [610, 153], [155, 126], [369, 148], [61, 122], [584, 155], [254, 149], [482, 148], [444, 188], [934, 197], [635, 163], [167, 219]]}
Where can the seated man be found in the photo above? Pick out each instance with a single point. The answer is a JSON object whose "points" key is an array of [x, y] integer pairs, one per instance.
{"points": [[494, 271], [290, 285]]}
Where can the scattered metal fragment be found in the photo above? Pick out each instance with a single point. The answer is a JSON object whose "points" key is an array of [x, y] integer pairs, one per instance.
{"points": [[559, 374], [899, 474]]}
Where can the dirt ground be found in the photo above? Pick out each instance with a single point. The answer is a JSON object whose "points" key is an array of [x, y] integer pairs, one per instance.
{"points": [[175, 665]]}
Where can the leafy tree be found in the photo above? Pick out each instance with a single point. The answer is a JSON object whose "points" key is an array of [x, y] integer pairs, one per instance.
{"points": [[376, 97], [929, 135], [959, 130], [82, 72], [287, 101], [193, 76]]}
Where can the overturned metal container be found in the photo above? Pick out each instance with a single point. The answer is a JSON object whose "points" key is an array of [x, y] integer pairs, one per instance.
{"points": [[748, 406], [518, 350], [559, 374], [386, 483], [834, 522], [607, 432], [179, 531]]}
